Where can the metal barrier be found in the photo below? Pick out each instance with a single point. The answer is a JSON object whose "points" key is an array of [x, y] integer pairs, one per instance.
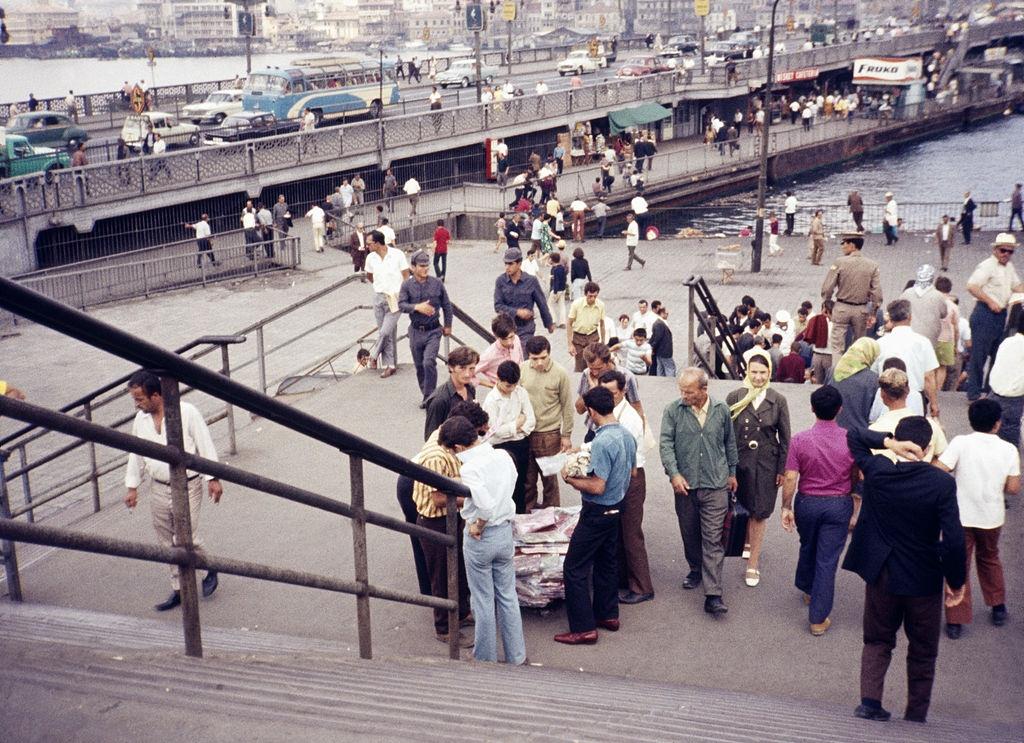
{"points": [[105, 182], [164, 267], [720, 359], [175, 370]]}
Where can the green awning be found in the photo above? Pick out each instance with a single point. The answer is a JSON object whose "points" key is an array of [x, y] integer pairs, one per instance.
{"points": [[645, 113]]}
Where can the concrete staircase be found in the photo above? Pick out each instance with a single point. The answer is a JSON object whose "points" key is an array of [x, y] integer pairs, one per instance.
{"points": [[85, 676]]}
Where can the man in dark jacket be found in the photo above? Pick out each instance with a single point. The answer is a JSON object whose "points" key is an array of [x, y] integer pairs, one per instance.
{"points": [[908, 539]]}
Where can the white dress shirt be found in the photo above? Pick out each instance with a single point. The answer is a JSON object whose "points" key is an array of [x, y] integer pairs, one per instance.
{"points": [[490, 474], [995, 279], [1007, 375], [196, 437], [981, 462], [914, 349], [503, 412], [627, 416], [387, 271]]}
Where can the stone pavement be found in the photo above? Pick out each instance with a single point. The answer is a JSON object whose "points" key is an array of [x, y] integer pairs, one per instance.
{"points": [[761, 647]]}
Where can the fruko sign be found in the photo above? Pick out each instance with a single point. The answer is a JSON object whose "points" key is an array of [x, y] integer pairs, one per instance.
{"points": [[886, 70]]}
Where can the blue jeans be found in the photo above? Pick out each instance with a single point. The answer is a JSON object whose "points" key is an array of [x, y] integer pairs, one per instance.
{"points": [[986, 333], [424, 345], [664, 367], [1013, 409], [822, 523], [491, 575]]}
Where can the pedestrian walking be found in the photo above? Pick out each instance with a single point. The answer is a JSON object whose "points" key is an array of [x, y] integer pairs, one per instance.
{"points": [[154, 476], [856, 204], [817, 500], [442, 238], [908, 539], [412, 190], [318, 222], [1016, 207], [987, 469], [358, 250], [386, 268], [945, 235], [203, 244], [790, 208], [282, 217], [424, 298], [390, 189], [991, 284], [600, 210], [817, 238], [585, 324], [856, 282], [967, 217], [71, 104], [632, 233], [517, 293], [249, 226], [698, 453], [890, 219]]}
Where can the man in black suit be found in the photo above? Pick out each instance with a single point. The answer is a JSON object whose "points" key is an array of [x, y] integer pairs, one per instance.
{"points": [[907, 539]]}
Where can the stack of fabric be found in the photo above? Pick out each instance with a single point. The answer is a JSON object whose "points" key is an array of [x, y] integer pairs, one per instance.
{"points": [[542, 539]]}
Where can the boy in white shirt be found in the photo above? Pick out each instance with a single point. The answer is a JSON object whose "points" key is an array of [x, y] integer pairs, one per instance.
{"points": [[512, 421], [986, 469], [638, 351]]}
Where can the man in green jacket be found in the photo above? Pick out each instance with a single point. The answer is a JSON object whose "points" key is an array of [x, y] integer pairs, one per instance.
{"points": [[698, 452]]}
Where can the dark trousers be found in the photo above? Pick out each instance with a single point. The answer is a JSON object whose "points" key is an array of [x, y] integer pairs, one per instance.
{"points": [[790, 223], [701, 517], [252, 239], [601, 222], [436, 556], [592, 549], [1020, 218], [424, 345], [890, 234], [520, 453], [205, 248], [986, 334], [822, 523], [634, 568], [858, 219], [404, 493], [921, 619], [967, 226], [358, 260], [1013, 409], [983, 544], [440, 265]]}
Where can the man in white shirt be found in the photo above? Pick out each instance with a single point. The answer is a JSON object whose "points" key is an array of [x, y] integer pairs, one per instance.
{"points": [[643, 318], [347, 196], [1007, 382], [891, 220], [252, 235], [412, 190], [203, 244], [159, 145], [511, 418], [790, 209], [639, 207], [149, 424], [914, 349], [487, 545], [894, 390], [632, 233], [318, 221], [386, 268], [579, 213], [390, 238], [986, 470], [634, 550], [992, 283]]}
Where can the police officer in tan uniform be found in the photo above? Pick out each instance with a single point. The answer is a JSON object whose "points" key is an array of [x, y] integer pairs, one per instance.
{"points": [[856, 283]]}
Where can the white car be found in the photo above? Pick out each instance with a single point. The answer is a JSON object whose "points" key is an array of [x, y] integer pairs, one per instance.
{"points": [[218, 106], [462, 72], [580, 61], [173, 132]]}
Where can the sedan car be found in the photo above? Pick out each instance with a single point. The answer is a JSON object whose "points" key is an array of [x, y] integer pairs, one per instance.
{"points": [[646, 65], [249, 125], [47, 129], [218, 106], [462, 72], [579, 61]]}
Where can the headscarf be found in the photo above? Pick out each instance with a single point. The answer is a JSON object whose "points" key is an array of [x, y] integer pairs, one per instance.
{"points": [[752, 392], [861, 355], [925, 277]]}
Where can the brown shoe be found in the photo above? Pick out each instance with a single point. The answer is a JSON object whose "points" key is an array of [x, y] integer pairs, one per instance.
{"points": [[577, 638], [819, 629], [465, 641], [388, 372], [612, 625]]}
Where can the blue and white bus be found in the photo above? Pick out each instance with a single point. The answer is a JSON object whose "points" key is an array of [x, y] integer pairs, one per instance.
{"points": [[328, 87]]}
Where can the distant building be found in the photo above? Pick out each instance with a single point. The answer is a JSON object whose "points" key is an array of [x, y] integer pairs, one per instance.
{"points": [[37, 23], [204, 21]]}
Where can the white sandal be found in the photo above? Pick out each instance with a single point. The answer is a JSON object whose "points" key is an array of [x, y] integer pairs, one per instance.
{"points": [[752, 577]]}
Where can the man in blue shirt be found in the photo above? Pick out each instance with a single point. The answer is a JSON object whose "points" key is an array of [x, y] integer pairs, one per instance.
{"points": [[516, 293], [594, 542]]}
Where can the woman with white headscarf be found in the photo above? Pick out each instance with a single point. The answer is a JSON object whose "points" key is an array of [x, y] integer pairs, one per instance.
{"points": [[760, 417]]}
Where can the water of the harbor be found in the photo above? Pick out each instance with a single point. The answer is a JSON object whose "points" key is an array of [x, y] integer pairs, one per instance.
{"points": [[985, 160]]}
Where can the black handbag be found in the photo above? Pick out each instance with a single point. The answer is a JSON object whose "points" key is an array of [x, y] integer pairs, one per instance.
{"points": [[734, 531]]}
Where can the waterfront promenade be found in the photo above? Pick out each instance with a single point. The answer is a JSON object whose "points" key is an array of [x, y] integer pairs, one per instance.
{"points": [[762, 648]]}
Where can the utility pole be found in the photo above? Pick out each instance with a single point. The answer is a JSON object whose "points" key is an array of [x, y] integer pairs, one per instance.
{"points": [[701, 8], [762, 179], [475, 23]]}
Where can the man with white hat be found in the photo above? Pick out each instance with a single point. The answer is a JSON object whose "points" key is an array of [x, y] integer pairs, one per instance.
{"points": [[992, 283], [890, 219], [784, 327]]}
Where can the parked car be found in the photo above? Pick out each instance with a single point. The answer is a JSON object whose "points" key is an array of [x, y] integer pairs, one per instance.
{"points": [[684, 43], [462, 72], [580, 61], [172, 131], [47, 128], [724, 51], [645, 65], [218, 106], [19, 157], [249, 125]]}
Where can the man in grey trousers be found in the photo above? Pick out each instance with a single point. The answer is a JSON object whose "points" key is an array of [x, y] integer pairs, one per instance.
{"points": [[698, 452]]}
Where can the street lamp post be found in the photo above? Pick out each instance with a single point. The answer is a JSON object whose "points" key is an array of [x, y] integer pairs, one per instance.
{"points": [[762, 178], [250, 29]]}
